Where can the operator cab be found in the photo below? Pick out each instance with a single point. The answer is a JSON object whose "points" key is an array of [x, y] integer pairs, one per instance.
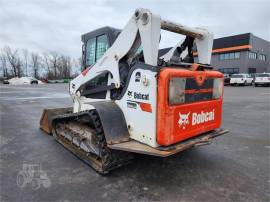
{"points": [[96, 43]]}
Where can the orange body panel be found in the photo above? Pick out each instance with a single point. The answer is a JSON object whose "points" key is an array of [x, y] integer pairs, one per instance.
{"points": [[169, 131]]}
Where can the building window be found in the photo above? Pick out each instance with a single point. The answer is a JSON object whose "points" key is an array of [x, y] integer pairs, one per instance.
{"points": [[229, 56], [229, 70], [237, 55], [252, 55], [235, 70], [262, 57], [221, 56], [251, 70]]}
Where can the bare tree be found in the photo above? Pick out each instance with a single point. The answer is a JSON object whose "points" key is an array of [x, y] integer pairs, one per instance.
{"points": [[76, 67], [80, 63], [51, 62], [35, 60], [68, 67], [56, 65], [3, 65], [46, 63], [54, 62], [25, 55], [64, 66], [14, 60]]}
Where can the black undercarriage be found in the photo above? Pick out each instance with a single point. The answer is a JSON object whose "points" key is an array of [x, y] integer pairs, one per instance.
{"points": [[92, 147]]}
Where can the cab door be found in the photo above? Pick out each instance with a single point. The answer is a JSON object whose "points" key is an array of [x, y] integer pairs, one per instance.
{"points": [[95, 48]]}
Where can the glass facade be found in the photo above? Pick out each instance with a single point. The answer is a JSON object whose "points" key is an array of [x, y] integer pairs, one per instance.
{"points": [[229, 70], [229, 56]]}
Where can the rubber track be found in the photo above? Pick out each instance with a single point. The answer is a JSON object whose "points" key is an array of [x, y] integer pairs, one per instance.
{"points": [[108, 159]]}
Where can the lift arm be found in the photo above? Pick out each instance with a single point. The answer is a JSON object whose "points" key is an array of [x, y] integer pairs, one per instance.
{"points": [[143, 29]]}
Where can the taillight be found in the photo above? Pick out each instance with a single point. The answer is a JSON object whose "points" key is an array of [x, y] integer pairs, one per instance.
{"points": [[177, 90], [269, 78], [217, 88]]}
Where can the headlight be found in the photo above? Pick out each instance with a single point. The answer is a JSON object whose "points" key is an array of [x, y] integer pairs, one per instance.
{"points": [[177, 90], [217, 88]]}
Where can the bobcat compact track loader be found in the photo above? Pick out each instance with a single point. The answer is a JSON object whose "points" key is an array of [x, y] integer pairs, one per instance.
{"points": [[129, 100]]}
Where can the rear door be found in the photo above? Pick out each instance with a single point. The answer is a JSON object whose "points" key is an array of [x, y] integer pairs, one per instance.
{"points": [[189, 104]]}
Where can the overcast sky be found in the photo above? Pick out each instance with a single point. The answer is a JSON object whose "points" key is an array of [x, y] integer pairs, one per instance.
{"points": [[46, 25]]}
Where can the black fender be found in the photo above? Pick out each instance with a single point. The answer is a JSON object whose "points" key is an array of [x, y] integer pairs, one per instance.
{"points": [[113, 121]]}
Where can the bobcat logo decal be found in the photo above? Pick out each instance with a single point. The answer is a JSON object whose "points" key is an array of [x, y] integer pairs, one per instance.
{"points": [[183, 120]]}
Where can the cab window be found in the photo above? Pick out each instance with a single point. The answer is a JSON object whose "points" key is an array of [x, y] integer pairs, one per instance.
{"points": [[90, 51], [95, 49], [95, 87], [102, 46], [100, 80]]}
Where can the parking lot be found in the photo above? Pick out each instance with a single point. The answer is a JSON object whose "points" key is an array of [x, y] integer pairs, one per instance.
{"points": [[235, 167]]}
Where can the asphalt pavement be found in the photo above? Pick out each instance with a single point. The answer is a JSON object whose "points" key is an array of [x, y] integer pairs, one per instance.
{"points": [[34, 167]]}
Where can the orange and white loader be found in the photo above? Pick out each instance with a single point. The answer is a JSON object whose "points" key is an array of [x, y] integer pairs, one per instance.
{"points": [[131, 100]]}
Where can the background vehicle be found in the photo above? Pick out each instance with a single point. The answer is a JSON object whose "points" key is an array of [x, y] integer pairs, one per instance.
{"points": [[5, 81], [227, 79], [241, 79], [33, 81], [56, 81], [23, 80], [128, 100], [262, 79]]}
